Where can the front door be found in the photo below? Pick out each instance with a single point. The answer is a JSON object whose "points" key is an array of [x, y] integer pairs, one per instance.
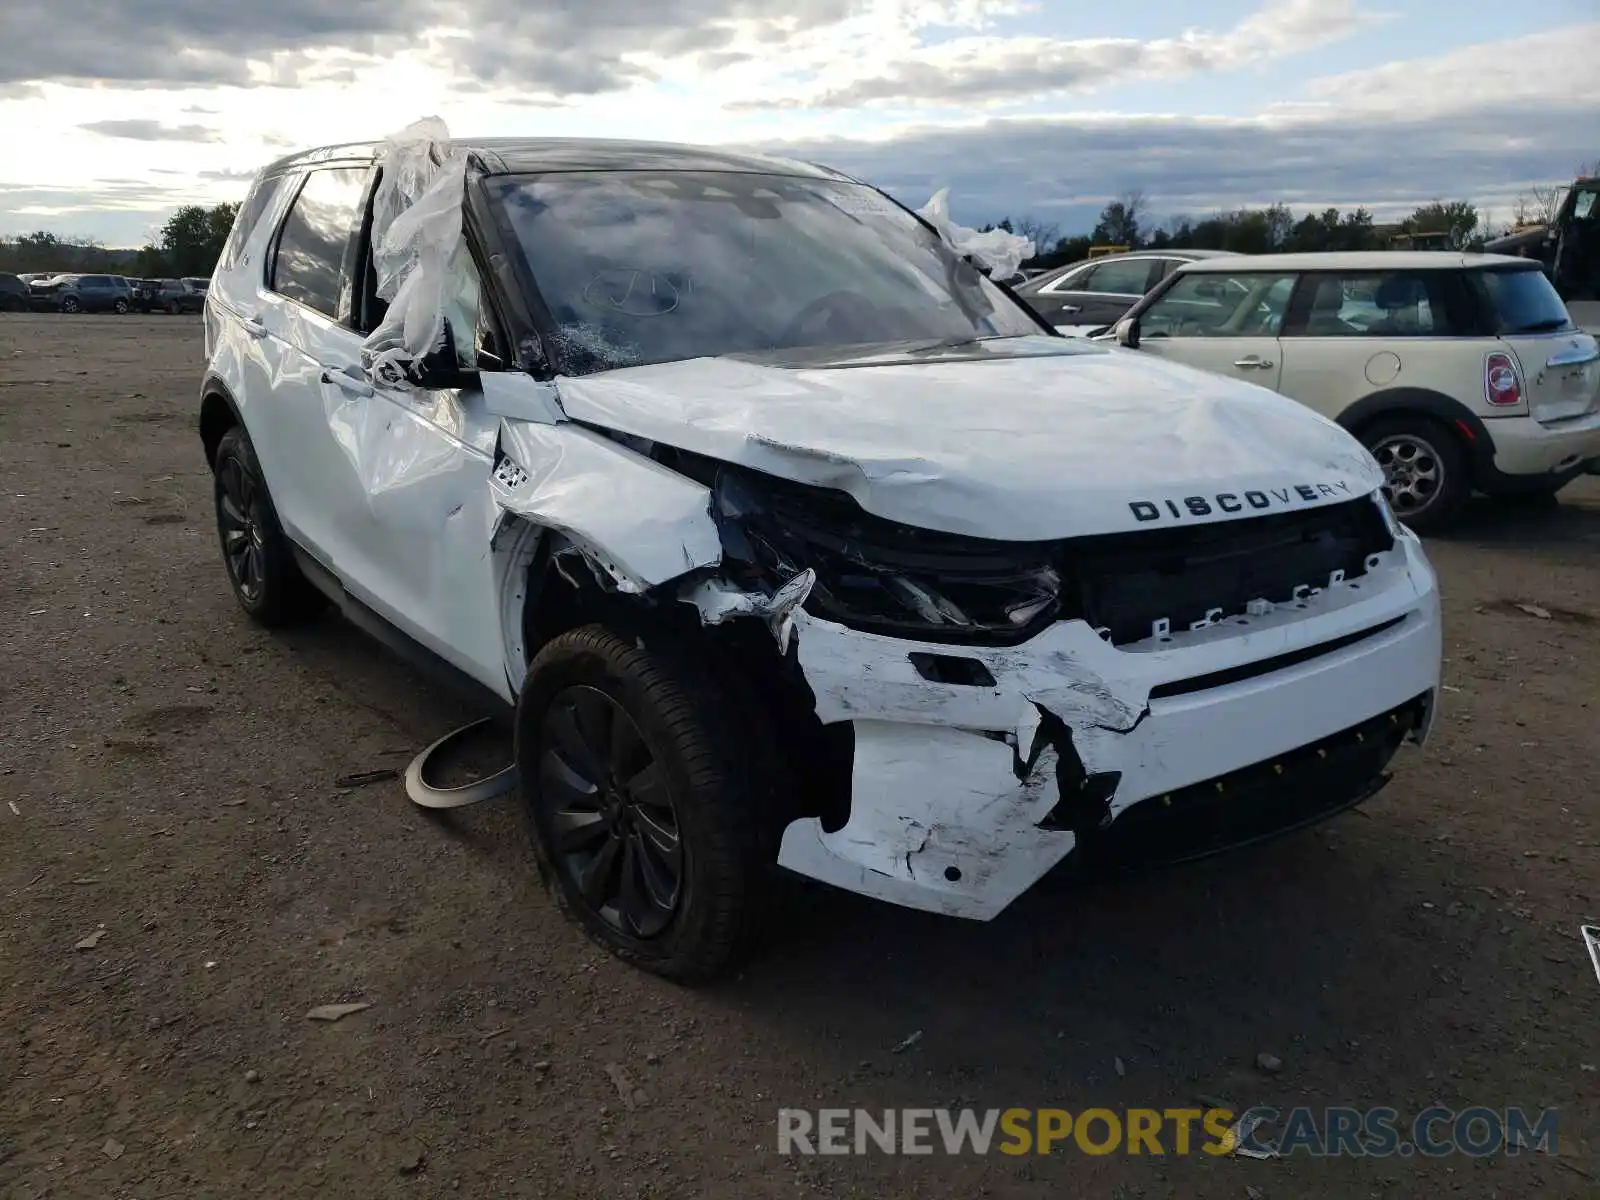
{"points": [[1226, 322], [388, 487]]}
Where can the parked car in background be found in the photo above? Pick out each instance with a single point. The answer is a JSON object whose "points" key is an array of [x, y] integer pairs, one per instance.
{"points": [[144, 294], [181, 295], [13, 293], [1086, 296], [867, 576], [82, 293], [31, 276], [1459, 372]]}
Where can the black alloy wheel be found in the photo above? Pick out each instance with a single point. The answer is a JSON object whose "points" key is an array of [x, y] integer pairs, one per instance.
{"points": [[240, 523], [611, 811]]}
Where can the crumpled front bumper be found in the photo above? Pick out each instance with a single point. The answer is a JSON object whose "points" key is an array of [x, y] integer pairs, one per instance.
{"points": [[959, 790]]}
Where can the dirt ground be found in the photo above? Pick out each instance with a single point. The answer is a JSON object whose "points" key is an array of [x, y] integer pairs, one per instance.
{"points": [[167, 793]]}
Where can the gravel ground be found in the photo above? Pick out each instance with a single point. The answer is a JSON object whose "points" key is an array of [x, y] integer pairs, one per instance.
{"points": [[182, 882]]}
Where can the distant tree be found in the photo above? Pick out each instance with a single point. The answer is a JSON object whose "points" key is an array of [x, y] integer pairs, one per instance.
{"points": [[1458, 218], [192, 239], [1119, 220]]}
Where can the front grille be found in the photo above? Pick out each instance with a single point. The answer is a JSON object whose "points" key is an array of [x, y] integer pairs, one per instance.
{"points": [[885, 577], [1128, 582]]}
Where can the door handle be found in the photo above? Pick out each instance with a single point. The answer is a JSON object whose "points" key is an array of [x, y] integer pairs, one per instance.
{"points": [[254, 326], [348, 383], [1252, 361], [1070, 308]]}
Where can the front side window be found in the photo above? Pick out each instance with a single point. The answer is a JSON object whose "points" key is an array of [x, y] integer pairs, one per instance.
{"points": [[1127, 278], [309, 264], [1583, 204], [647, 266], [1379, 304], [1070, 281], [1218, 304]]}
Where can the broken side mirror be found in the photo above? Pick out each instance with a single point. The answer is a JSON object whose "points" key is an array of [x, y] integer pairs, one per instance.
{"points": [[1127, 332], [442, 368]]}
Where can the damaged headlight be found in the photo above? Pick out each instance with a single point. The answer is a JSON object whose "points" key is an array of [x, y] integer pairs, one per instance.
{"points": [[878, 575]]}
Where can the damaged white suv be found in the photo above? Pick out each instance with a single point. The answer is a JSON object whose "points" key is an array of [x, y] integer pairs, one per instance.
{"points": [[793, 540]]}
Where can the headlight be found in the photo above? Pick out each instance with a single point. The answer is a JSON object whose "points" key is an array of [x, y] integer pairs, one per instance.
{"points": [[881, 576], [1392, 522]]}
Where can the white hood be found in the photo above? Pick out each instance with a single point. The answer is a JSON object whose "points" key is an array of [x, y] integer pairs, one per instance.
{"points": [[1029, 438]]}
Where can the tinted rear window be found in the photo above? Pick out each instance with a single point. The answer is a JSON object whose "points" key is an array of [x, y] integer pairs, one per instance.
{"points": [[1525, 302]]}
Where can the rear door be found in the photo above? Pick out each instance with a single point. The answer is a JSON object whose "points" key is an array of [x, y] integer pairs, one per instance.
{"points": [[1560, 364], [1226, 322], [307, 430]]}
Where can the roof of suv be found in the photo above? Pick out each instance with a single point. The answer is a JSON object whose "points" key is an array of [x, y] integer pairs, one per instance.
{"points": [[1361, 260], [506, 156]]}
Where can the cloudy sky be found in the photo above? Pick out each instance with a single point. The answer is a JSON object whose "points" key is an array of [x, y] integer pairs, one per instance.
{"points": [[113, 113]]}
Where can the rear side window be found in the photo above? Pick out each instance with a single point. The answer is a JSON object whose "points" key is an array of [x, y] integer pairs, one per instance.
{"points": [[1119, 278], [1379, 304], [247, 218], [309, 263], [1525, 302]]}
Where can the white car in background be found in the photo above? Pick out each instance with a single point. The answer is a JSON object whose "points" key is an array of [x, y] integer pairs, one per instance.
{"points": [[1460, 372]]}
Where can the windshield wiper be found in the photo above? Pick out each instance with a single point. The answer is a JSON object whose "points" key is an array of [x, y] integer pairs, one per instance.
{"points": [[1544, 326]]}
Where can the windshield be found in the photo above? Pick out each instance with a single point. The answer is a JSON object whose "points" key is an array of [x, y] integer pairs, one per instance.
{"points": [[646, 267], [1526, 302]]}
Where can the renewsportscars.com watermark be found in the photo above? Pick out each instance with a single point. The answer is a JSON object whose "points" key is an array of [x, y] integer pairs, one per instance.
{"points": [[1318, 1133]]}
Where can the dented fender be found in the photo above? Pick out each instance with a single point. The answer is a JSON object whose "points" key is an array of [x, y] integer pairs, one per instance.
{"points": [[637, 521]]}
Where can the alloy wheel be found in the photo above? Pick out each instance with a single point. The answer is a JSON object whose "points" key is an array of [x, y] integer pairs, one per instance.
{"points": [[1412, 472], [243, 540], [606, 802]]}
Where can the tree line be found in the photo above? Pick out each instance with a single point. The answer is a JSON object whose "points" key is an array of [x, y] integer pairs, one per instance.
{"points": [[1127, 221], [188, 244]]}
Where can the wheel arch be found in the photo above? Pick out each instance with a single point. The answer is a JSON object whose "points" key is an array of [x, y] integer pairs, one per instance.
{"points": [[1465, 425], [219, 412]]}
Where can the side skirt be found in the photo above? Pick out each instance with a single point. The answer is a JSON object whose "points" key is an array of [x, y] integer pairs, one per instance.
{"points": [[398, 642]]}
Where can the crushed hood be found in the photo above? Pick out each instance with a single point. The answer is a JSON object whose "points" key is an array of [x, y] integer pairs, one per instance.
{"points": [[1021, 439]]}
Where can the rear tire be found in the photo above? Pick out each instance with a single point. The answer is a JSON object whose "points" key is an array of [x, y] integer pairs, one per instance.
{"points": [[1424, 467], [635, 766], [120, 307], [255, 551]]}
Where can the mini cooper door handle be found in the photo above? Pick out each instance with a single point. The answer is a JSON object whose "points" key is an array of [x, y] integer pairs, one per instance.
{"points": [[356, 387], [1252, 361], [254, 326]]}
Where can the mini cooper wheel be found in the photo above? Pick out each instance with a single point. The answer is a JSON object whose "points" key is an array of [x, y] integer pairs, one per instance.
{"points": [[644, 803], [71, 305], [1424, 469], [260, 563], [120, 307]]}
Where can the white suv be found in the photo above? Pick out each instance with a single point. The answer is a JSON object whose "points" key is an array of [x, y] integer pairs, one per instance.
{"points": [[787, 539], [1459, 372]]}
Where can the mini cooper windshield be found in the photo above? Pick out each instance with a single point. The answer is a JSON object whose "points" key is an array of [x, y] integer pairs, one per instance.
{"points": [[642, 267]]}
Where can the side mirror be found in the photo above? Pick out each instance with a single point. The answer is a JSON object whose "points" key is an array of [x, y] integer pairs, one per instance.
{"points": [[442, 368], [1127, 332]]}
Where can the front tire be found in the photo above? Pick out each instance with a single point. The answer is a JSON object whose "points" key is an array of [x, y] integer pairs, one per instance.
{"points": [[1424, 469], [647, 806], [255, 550], [71, 305]]}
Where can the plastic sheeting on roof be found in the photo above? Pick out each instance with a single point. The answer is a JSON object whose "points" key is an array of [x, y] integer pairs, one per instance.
{"points": [[416, 233], [1000, 252]]}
